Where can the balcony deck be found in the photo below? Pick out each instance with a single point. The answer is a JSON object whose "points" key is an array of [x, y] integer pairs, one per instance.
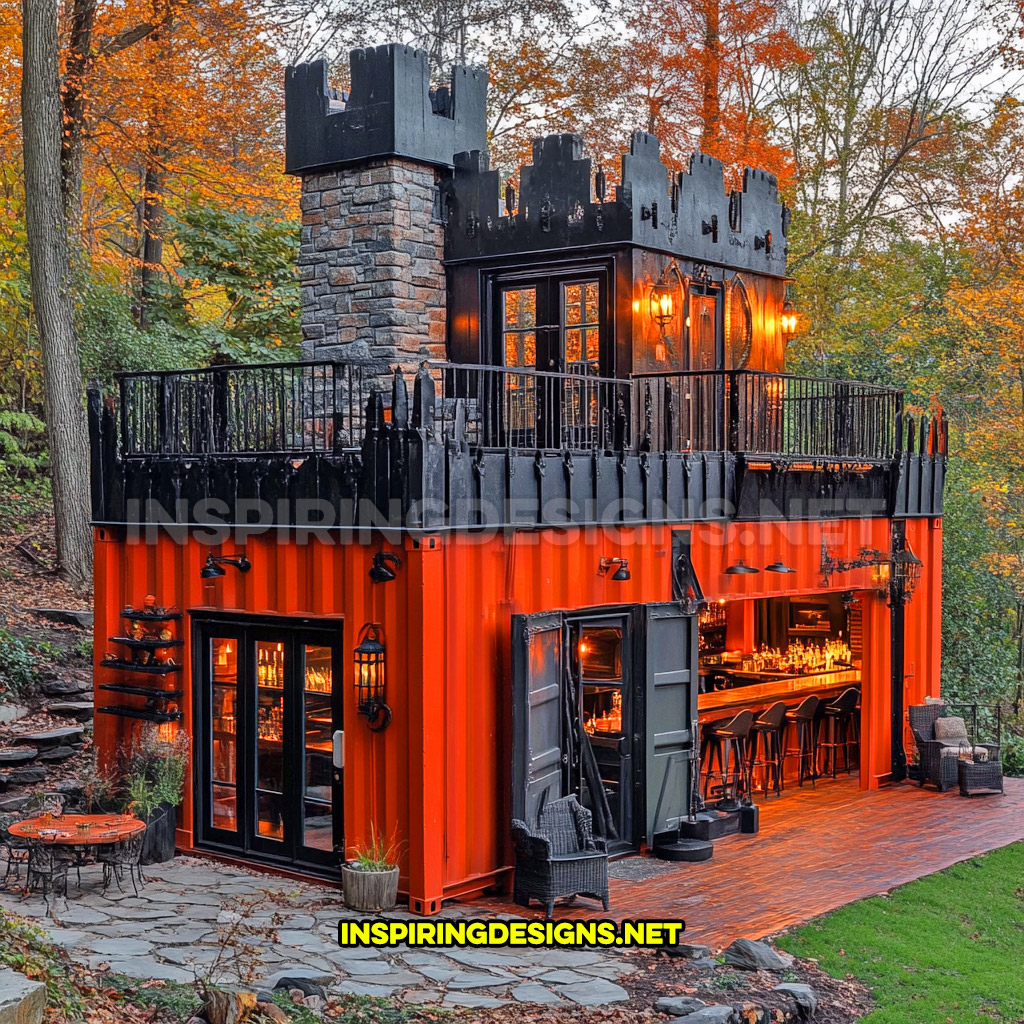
{"points": [[463, 446], [818, 849]]}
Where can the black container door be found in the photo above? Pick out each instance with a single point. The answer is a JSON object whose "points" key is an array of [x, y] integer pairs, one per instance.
{"points": [[670, 672], [539, 765]]}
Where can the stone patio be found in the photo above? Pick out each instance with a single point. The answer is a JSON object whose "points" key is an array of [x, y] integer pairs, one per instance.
{"points": [[196, 918]]}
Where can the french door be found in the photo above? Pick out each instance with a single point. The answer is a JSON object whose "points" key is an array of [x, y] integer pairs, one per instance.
{"points": [[268, 705], [554, 325]]}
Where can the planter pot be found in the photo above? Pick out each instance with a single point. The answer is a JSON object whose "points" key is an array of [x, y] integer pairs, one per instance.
{"points": [[369, 890], [158, 842]]}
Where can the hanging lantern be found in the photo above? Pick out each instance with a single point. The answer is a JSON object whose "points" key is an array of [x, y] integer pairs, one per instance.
{"points": [[906, 572], [662, 304], [369, 677]]}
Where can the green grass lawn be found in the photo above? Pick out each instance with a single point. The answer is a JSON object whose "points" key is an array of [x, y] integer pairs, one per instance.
{"points": [[941, 950]]}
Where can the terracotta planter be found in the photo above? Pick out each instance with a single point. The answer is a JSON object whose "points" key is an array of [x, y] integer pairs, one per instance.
{"points": [[369, 890]]}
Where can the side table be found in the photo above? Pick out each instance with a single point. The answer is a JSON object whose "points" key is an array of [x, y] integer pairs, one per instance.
{"points": [[977, 777]]}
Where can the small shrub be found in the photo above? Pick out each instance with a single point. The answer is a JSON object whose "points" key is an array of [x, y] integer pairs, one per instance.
{"points": [[170, 1000], [1012, 754], [379, 854], [19, 665]]}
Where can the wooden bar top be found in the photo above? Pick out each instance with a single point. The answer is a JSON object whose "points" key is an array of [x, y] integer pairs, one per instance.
{"points": [[778, 687]]}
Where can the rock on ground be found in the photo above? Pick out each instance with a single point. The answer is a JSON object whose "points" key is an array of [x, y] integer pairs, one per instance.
{"points": [[21, 1001], [749, 955]]}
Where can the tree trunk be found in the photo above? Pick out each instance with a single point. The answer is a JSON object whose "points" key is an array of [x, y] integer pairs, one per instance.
{"points": [[152, 247], [75, 109], [50, 265], [712, 63]]}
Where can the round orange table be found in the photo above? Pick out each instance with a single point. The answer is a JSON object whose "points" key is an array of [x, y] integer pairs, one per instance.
{"points": [[97, 830]]}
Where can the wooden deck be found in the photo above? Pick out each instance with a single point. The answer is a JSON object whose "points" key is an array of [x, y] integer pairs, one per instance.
{"points": [[818, 849]]}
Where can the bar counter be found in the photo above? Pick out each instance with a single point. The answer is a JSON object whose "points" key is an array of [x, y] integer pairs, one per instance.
{"points": [[776, 686]]}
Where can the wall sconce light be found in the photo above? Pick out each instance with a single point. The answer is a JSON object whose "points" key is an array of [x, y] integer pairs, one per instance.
{"points": [[212, 569], [906, 573], [788, 319], [369, 678], [740, 568], [380, 571], [663, 307], [620, 574], [778, 567]]}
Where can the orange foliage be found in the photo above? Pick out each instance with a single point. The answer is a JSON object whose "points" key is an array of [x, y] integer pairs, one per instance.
{"points": [[700, 69], [200, 97]]}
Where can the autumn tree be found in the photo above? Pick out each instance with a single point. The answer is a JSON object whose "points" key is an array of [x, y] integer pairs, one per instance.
{"points": [[51, 288]]}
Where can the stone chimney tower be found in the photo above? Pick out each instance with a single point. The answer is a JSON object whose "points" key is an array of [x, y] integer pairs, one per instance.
{"points": [[371, 163]]}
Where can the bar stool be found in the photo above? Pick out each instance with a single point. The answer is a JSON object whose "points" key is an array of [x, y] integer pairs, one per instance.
{"points": [[724, 741], [839, 719], [768, 727], [802, 719]]}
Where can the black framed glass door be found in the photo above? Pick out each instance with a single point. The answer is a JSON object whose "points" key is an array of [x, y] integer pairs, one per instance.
{"points": [[268, 707]]}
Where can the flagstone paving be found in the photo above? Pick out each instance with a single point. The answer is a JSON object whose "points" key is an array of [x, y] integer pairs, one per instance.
{"points": [[196, 919]]}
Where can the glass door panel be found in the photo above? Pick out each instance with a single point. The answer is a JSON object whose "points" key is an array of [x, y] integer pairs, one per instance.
{"points": [[224, 734], [317, 773], [605, 712], [270, 742]]}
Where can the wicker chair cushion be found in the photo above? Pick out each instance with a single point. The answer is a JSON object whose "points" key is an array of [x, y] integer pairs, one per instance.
{"points": [[980, 753], [950, 728]]}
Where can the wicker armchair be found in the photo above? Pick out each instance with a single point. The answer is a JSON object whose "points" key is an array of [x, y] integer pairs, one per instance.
{"points": [[560, 857], [940, 756]]}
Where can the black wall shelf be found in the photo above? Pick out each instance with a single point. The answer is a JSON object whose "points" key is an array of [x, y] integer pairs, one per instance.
{"points": [[145, 714], [149, 643], [142, 691], [129, 666]]}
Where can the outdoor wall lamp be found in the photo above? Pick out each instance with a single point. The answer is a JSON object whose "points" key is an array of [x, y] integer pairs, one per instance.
{"points": [[212, 570], [906, 573], [740, 568], [788, 319], [896, 574], [620, 574], [369, 678], [663, 307], [380, 571], [778, 567]]}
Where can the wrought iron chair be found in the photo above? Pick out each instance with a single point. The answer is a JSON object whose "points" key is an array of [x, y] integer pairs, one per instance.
{"points": [[48, 869], [115, 857], [15, 848], [560, 857]]}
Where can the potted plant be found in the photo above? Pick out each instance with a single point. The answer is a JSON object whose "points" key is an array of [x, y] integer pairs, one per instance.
{"points": [[153, 785], [369, 880]]}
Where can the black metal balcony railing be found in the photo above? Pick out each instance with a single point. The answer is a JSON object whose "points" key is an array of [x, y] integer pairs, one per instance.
{"points": [[311, 407], [761, 413], [273, 408]]}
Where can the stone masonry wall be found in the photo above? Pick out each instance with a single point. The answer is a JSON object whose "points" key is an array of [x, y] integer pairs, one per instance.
{"points": [[373, 284]]}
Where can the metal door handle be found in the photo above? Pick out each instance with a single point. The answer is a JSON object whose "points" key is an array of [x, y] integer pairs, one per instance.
{"points": [[338, 748]]}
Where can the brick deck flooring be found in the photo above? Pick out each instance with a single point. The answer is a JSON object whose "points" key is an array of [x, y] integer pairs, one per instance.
{"points": [[818, 849]]}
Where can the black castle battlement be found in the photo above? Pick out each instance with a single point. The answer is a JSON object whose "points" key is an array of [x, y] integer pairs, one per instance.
{"points": [[562, 206], [389, 111]]}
